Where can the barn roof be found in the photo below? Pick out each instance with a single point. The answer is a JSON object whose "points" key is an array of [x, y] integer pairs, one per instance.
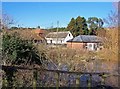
{"points": [[57, 34], [86, 38]]}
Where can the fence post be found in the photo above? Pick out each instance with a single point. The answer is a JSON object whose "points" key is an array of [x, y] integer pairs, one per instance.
{"points": [[35, 78], [69, 81], [57, 79], [78, 81], [103, 76], [10, 71], [90, 81], [4, 82]]}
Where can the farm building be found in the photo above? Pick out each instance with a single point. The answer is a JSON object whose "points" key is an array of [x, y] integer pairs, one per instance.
{"points": [[88, 42], [58, 38]]}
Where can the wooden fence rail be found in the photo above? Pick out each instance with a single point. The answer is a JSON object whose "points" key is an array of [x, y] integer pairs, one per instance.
{"points": [[103, 75]]}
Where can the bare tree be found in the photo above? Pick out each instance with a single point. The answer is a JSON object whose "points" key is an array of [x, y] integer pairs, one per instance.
{"points": [[6, 21], [110, 51], [113, 17]]}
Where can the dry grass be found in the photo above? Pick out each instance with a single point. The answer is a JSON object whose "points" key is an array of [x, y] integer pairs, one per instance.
{"points": [[109, 54], [80, 60]]}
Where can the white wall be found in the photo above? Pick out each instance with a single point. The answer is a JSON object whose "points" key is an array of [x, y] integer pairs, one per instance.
{"points": [[69, 36], [59, 40], [91, 46], [55, 41]]}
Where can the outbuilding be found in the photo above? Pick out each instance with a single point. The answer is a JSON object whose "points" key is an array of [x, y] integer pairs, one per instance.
{"points": [[89, 42]]}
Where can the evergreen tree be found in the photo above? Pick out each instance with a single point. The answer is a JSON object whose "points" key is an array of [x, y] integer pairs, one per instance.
{"points": [[78, 26], [94, 24], [72, 26]]}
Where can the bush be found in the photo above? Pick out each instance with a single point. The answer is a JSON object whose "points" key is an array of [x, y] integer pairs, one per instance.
{"points": [[18, 51]]}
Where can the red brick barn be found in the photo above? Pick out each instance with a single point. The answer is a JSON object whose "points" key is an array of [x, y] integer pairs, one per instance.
{"points": [[88, 42]]}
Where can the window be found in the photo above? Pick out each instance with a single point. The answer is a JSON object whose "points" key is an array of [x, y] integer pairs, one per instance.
{"points": [[95, 46], [50, 41], [35, 41], [90, 45]]}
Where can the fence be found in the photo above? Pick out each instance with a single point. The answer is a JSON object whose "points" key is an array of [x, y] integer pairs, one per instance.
{"points": [[54, 78]]}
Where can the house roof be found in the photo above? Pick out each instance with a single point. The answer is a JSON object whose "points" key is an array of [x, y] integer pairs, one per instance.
{"points": [[57, 34], [38, 30], [26, 34], [85, 38]]}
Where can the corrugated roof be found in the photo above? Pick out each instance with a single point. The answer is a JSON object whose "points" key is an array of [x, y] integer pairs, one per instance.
{"points": [[86, 38], [57, 34]]}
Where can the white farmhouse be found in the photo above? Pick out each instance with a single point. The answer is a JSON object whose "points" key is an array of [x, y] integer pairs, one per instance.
{"points": [[58, 38]]}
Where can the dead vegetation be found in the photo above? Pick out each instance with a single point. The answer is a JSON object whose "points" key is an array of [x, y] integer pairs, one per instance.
{"points": [[83, 60]]}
